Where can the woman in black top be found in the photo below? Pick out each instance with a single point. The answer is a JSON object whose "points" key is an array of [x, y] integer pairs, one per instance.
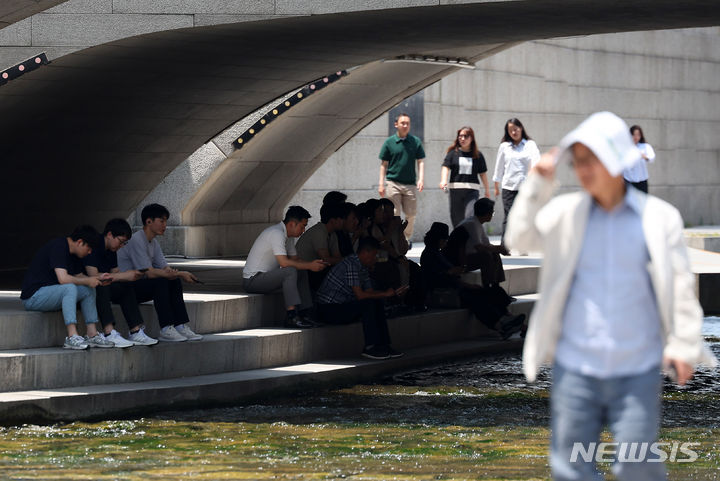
{"points": [[465, 167]]}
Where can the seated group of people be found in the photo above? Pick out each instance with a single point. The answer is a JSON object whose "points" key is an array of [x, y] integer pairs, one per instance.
{"points": [[116, 266], [352, 264], [349, 266]]}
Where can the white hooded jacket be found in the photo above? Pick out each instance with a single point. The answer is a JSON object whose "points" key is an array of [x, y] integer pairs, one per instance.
{"points": [[556, 227]]}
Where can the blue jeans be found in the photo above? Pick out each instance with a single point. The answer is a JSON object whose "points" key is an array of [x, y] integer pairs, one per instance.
{"points": [[580, 406], [65, 297]]}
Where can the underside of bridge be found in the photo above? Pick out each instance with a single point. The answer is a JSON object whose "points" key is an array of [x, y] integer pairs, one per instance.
{"points": [[86, 137]]}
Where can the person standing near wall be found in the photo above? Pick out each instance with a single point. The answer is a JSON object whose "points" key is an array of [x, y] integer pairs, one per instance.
{"points": [[464, 167], [399, 155], [638, 175], [516, 154]]}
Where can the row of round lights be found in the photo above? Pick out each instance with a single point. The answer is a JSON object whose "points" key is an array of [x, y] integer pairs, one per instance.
{"points": [[303, 93], [23, 67]]}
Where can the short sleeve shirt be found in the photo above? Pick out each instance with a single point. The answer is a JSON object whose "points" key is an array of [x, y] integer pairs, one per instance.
{"points": [[464, 169], [476, 234], [102, 259], [271, 242], [139, 253], [314, 239], [401, 155], [53, 255], [337, 287]]}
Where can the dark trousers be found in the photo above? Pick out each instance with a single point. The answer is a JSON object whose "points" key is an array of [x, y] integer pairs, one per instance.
{"points": [[462, 203], [490, 265], [371, 312], [122, 293], [508, 197], [488, 304], [642, 185], [167, 296]]}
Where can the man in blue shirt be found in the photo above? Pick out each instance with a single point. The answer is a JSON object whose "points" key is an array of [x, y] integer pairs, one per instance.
{"points": [[617, 303], [346, 295]]}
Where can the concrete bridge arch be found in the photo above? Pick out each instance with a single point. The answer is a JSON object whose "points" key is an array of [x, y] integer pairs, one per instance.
{"points": [[88, 136]]}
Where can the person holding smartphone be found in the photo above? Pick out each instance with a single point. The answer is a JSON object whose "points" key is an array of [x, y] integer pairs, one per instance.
{"points": [[346, 295], [160, 282], [115, 286], [55, 281]]}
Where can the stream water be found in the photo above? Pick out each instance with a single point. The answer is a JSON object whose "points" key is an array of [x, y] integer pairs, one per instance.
{"points": [[470, 419]]}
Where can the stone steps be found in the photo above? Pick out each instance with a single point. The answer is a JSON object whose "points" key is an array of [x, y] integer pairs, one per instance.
{"points": [[113, 400], [244, 352], [208, 312], [49, 368]]}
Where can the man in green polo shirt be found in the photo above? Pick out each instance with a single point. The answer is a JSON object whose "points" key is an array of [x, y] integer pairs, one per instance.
{"points": [[398, 156]]}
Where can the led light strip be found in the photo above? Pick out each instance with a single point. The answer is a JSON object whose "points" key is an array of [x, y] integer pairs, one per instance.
{"points": [[23, 67], [430, 59], [276, 111]]}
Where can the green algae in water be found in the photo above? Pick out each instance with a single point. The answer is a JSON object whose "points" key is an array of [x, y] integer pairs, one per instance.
{"points": [[157, 449], [415, 429], [263, 451]]}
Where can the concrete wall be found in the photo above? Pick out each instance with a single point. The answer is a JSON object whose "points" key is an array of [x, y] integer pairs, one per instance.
{"points": [[665, 81], [78, 24]]}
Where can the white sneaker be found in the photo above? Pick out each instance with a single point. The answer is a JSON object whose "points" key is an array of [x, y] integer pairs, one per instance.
{"points": [[139, 338], [75, 342], [169, 334], [98, 341], [184, 330], [118, 340]]}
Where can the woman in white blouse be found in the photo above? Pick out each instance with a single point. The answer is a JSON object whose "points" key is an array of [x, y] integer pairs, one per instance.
{"points": [[516, 154], [637, 175]]}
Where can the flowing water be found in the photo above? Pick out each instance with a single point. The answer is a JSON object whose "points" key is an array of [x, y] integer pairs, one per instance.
{"points": [[470, 419]]}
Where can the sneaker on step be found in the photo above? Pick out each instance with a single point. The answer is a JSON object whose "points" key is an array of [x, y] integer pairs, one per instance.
{"points": [[139, 338], [75, 342], [98, 340], [118, 340], [185, 331], [170, 334], [376, 352]]}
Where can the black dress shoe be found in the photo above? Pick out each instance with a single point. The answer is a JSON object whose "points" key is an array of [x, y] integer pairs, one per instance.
{"points": [[298, 323], [511, 326]]}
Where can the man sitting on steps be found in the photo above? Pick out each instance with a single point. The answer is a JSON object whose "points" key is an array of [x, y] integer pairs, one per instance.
{"points": [[161, 283], [346, 295], [273, 263], [121, 286], [55, 280]]}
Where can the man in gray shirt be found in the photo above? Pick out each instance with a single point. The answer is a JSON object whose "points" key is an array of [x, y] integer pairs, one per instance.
{"points": [[161, 283], [318, 241]]}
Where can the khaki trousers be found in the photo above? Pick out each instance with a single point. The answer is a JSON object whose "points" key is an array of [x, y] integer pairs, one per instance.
{"points": [[404, 198]]}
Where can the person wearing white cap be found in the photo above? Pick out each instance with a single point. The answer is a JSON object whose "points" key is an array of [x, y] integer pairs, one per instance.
{"points": [[617, 301]]}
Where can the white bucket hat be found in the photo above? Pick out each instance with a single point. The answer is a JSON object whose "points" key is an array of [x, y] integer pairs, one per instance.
{"points": [[608, 136]]}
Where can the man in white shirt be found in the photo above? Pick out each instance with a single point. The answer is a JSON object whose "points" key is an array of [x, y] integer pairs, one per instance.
{"points": [[617, 302], [273, 263]]}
